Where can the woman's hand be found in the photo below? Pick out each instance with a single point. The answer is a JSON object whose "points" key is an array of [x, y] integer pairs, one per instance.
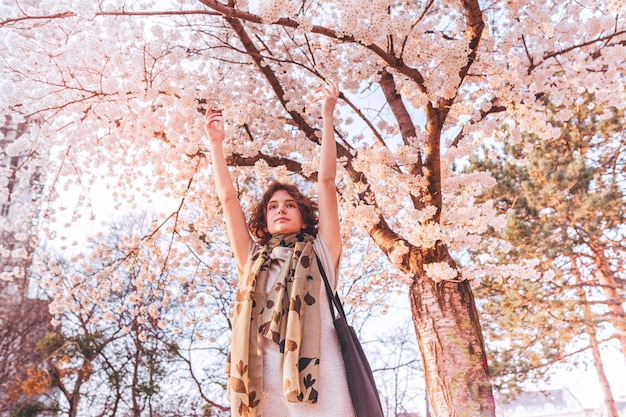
{"points": [[330, 93], [213, 126]]}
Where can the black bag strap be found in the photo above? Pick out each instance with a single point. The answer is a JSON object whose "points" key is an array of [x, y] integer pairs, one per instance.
{"points": [[333, 298]]}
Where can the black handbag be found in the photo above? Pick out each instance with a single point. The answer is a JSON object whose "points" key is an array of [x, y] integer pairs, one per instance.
{"points": [[363, 392]]}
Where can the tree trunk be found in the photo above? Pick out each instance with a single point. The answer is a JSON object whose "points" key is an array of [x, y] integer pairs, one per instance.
{"points": [[617, 316], [448, 333], [609, 401], [452, 348]]}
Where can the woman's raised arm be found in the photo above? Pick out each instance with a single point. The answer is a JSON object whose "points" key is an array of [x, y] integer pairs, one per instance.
{"points": [[329, 227], [235, 218]]}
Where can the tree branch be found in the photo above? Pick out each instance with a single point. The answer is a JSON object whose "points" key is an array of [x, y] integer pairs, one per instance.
{"points": [[407, 128], [552, 54], [64, 15], [496, 107], [273, 161], [41, 17], [594, 55], [391, 60]]}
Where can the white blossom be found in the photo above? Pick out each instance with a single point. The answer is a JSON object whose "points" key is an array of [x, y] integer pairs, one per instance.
{"points": [[441, 271]]}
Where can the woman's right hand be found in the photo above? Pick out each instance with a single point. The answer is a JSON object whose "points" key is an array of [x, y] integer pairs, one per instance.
{"points": [[213, 126], [330, 94]]}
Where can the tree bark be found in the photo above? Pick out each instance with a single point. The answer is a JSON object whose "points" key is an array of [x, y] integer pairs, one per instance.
{"points": [[617, 316], [452, 348], [609, 401], [448, 333]]}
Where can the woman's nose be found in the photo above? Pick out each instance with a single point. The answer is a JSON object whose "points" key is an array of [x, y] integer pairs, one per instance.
{"points": [[281, 209]]}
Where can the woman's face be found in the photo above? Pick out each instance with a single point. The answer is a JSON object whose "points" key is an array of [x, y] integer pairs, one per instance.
{"points": [[282, 214]]}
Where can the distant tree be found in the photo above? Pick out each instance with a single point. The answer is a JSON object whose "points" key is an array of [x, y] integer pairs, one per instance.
{"points": [[21, 384], [566, 207], [397, 367]]}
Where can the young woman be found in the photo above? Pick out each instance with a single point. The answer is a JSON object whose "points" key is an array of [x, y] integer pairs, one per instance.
{"points": [[285, 360]]}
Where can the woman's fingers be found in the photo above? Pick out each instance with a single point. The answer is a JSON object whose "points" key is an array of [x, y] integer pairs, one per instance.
{"points": [[211, 117], [325, 93], [321, 97], [332, 91], [334, 88]]}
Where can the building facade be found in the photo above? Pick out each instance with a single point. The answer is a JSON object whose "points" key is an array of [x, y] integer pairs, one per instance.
{"points": [[24, 319]]}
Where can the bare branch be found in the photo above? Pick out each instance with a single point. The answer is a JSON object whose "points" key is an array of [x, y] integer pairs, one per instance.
{"points": [[64, 15], [42, 17]]}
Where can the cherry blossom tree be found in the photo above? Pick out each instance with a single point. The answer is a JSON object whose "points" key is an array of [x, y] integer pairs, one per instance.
{"points": [[119, 88]]}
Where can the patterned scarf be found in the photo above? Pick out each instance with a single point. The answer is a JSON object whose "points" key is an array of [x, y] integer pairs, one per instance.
{"points": [[288, 316]]}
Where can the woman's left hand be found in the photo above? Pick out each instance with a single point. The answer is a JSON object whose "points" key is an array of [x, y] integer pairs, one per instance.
{"points": [[330, 94]]}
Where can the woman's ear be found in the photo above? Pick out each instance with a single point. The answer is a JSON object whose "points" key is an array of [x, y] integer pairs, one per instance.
{"points": [[304, 226]]}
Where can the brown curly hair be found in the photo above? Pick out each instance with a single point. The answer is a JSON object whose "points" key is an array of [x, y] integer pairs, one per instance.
{"points": [[307, 207]]}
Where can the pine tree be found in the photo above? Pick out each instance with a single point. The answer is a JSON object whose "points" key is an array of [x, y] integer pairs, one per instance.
{"points": [[565, 209]]}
